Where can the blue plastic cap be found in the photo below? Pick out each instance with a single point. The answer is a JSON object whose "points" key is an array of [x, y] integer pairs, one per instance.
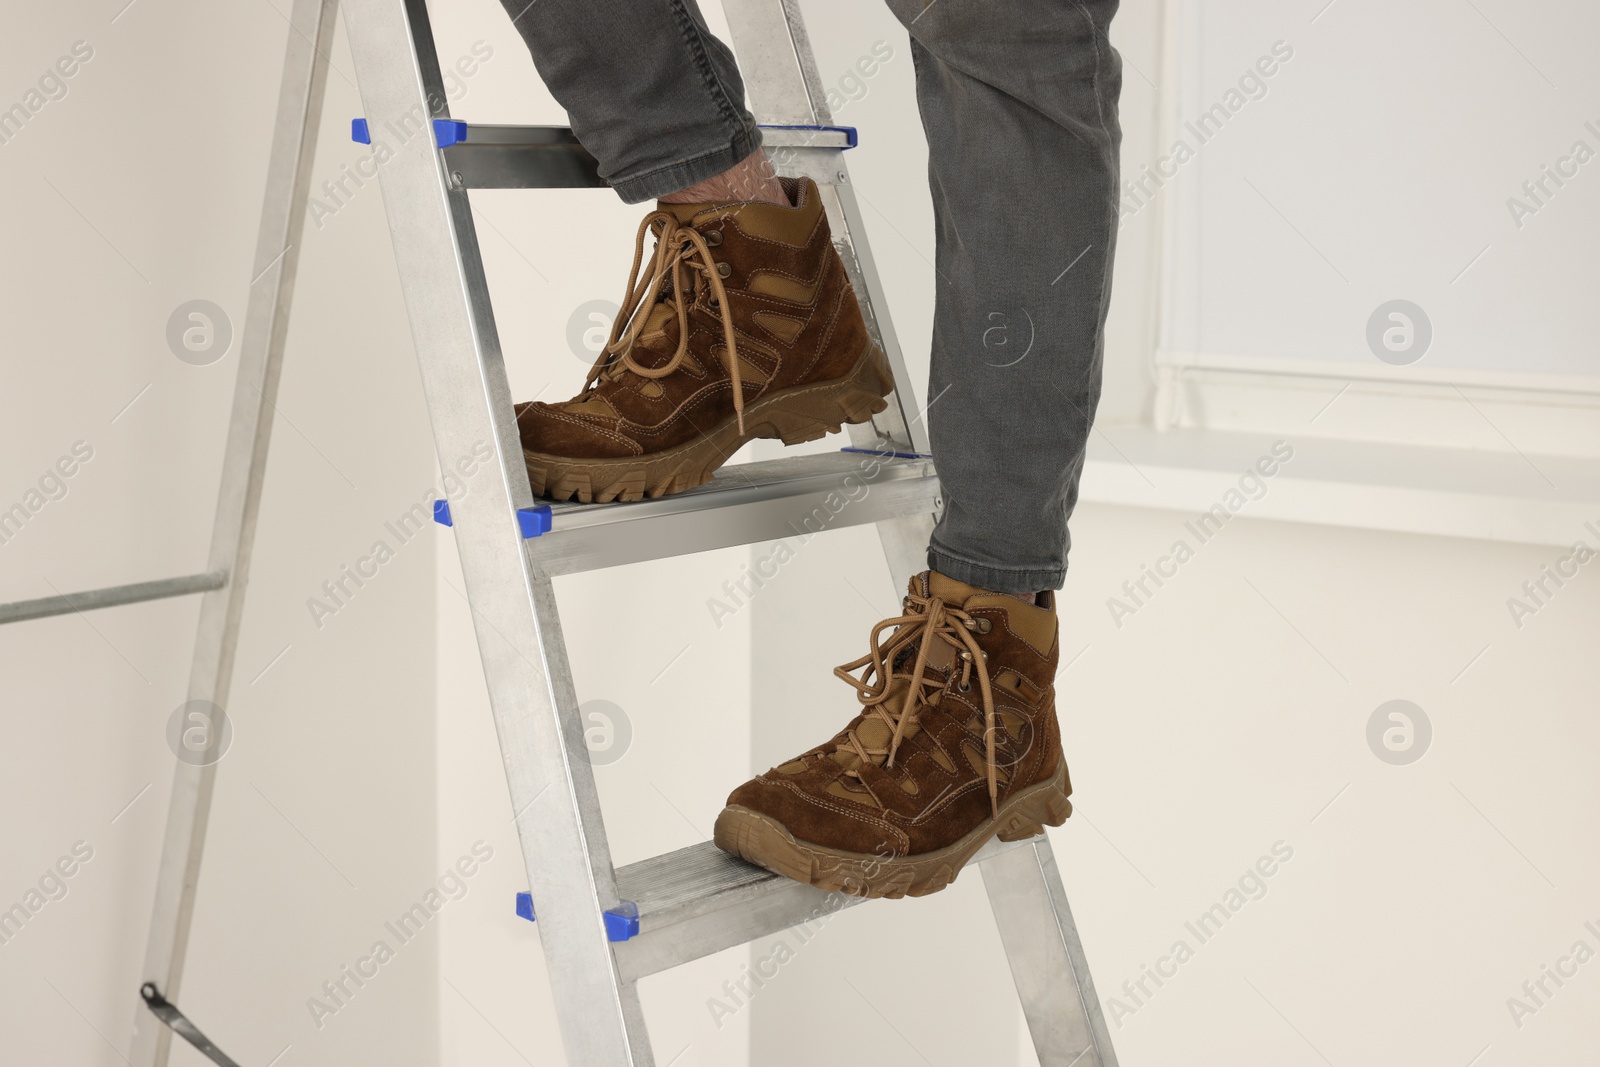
{"points": [[851, 139], [535, 520], [447, 132], [887, 452], [359, 132], [622, 921], [441, 512]]}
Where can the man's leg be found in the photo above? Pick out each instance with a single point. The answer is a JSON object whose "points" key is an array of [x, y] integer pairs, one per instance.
{"points": [[652, 95], [956, 740], [742, 323], [1019, 102]]}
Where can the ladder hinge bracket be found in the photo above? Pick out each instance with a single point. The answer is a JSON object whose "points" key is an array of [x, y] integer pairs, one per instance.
{"points": [[179, 1024]]}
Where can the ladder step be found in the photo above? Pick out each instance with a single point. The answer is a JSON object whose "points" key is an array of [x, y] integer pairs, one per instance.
{"points": [[793, 497], [699, 900], [549, 157], [521, 157]]}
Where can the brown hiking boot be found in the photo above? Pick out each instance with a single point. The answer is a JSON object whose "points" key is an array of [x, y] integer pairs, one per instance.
{"points": [[957, 742], [742, 325]]}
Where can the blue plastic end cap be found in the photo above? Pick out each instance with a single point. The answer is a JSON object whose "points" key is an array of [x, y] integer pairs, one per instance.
{"points": [[887, 452], [852, 137], [447, 132], [622, 921], [535, 520], [441, 512], [359, 132]]}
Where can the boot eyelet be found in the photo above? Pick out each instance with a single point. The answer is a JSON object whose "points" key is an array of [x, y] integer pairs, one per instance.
{"points": [[713, 237], [724, 269], [981, 625]]}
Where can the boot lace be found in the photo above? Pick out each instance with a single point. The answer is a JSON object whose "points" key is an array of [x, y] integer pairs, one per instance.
{"points": [[926, 620], [679, 249]]}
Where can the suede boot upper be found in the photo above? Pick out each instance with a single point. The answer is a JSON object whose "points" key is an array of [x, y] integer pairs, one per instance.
{"points": [[959, 696]]}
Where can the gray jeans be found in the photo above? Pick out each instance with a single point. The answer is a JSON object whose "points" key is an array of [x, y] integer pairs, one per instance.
{"points": [[1019, 103]]}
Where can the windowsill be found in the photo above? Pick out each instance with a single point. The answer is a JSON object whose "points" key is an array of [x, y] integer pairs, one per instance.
{"points": [[1406, 488]]}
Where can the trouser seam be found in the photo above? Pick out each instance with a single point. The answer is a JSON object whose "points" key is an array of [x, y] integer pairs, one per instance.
{"points": [[1112, 165], [691, 37], [1084, 382]]}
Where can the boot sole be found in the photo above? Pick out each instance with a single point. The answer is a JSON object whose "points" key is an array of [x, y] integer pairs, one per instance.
{"points": [[799, 413], [763, 841]]}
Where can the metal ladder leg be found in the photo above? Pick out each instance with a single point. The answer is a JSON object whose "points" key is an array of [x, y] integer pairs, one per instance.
{"points": [[1030, 904], [1046, 957], [514, 610], [243, 469]]}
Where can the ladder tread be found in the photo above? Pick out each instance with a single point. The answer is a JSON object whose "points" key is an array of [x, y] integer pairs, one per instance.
{"points": [[699, 900], [698, 878], [747, 503]]}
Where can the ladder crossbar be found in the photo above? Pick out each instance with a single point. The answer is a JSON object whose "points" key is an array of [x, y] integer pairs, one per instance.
{"points": [[112, 596]]}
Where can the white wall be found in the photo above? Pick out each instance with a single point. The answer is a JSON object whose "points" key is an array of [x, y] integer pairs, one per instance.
{"points": [[1233, 708], [1382, 162], [138, 191]]}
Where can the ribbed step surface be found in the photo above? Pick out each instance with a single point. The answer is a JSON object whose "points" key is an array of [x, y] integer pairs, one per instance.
{"points": [[699, 900], [793, 497]]}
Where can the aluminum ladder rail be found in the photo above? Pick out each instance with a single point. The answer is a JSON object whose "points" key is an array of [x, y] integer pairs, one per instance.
{"points": [[277, 254]]}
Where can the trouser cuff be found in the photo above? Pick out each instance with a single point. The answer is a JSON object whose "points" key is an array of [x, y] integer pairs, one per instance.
{"points": [[677, 176], [996, 579]]}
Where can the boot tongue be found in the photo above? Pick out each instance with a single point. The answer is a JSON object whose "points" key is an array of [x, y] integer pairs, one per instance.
{"points": [[663, 311], [874, 733], [1036, 624], [655, 323], [951, 591]]}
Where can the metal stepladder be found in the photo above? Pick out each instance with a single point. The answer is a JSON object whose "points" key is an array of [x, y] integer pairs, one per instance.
{"points": [[602, 928]]}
